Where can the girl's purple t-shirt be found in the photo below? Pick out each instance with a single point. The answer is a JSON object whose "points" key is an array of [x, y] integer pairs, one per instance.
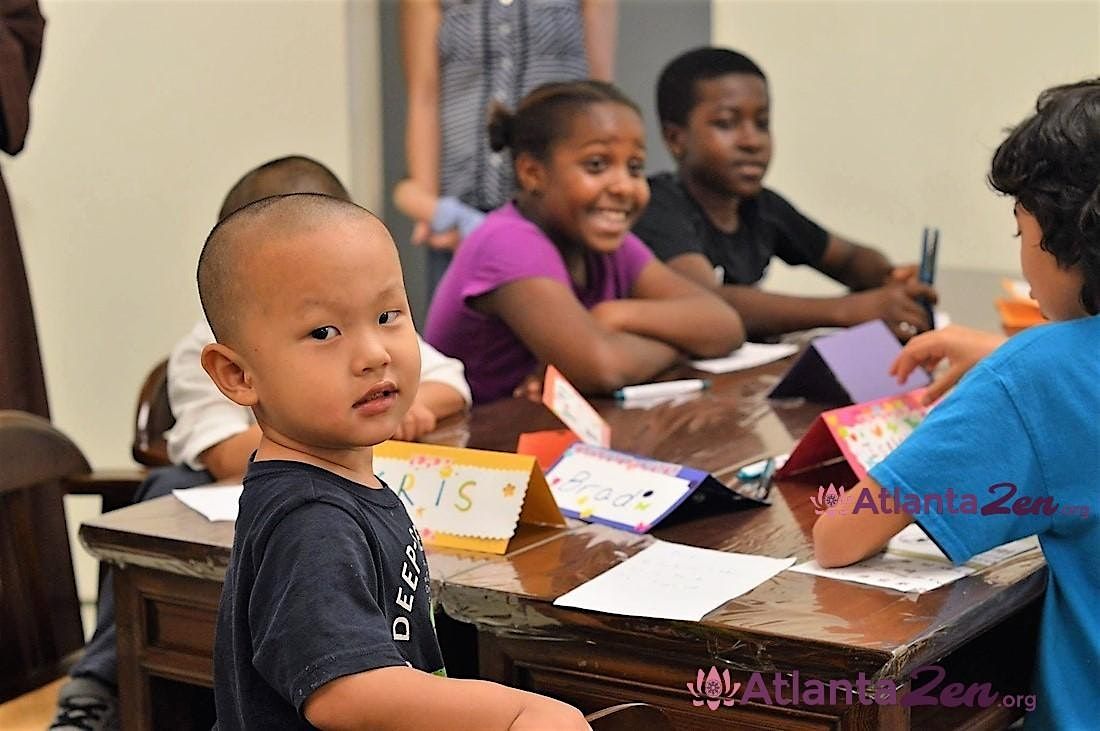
{"points": [[505, 248]]}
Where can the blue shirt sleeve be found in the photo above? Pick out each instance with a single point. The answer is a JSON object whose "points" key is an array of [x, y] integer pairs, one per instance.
{"points": [[976, 443]]}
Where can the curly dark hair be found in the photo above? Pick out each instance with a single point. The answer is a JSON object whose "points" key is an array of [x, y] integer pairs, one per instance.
{"points": [[1050, 163]]}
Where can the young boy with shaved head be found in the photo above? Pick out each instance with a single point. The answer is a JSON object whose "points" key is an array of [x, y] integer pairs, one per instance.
{"points": [[213, 437], [325, 616]]}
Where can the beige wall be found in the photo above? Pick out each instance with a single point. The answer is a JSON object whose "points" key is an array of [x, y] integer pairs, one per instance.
{"points": [[886, 113], [144, 114]]}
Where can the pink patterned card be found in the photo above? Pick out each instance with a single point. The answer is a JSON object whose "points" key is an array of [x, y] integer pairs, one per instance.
{"points": [[862, 434]]}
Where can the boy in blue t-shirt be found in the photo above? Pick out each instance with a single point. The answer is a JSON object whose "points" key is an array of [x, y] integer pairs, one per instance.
{"points": [[325, 615], [1021, 431]]}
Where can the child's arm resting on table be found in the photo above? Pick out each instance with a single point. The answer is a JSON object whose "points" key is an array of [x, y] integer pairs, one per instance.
{"points": [[855, 266], [768, 313], [667, 307], [557, 329], [844, 538], [404, 699]]}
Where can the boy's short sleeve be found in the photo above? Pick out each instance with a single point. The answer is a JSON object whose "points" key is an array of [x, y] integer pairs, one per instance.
{"points": [[667, 225], [313, 612], [438, 368], [507, 254], [798, 240], [976, 442]]}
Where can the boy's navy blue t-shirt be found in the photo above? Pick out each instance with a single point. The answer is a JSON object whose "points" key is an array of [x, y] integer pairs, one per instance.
{"points": [[327, 578], [674, 224]]}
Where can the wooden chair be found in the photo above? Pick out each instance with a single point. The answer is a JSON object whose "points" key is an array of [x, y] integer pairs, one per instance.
{"points": [[40, 628], [153, 418], [630, 717]]}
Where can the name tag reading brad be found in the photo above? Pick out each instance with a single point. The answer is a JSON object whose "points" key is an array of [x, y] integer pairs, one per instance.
{"points": [[627, 491], [467, 498]]}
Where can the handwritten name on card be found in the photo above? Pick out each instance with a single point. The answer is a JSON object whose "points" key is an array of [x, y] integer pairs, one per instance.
{"points": [[615, 488], [455, 491]]}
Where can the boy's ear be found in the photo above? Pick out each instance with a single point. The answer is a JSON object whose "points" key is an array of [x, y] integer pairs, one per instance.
{"points": [[673, 135], [228, 373], [530, 174]]}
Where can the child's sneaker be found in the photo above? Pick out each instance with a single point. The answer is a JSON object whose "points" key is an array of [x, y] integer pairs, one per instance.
{"points": [[85, 704]]}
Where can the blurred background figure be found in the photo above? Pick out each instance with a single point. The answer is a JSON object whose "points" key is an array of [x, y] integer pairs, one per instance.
{"points": [[21, 383], [463, 56]]}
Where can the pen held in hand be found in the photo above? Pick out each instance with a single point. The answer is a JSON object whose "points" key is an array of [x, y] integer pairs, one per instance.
{"points": [[930, 242]]}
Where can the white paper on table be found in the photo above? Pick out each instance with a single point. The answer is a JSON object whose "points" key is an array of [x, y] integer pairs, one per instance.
{"points": [[215, 502], [672, 581], [913, 541], [890, 571], [747, 356]]}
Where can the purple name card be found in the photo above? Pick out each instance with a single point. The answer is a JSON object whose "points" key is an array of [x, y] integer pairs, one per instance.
{"points": [[848, 367]]}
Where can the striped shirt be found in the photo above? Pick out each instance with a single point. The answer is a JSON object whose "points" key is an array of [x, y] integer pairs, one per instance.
{"points": [[497, 50]]}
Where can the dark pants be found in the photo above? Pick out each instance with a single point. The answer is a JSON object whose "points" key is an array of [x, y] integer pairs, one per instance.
{"points": [[100, 659]]}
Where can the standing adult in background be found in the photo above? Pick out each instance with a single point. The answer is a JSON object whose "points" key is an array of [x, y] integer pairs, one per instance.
{"points": [[21, 383], [460, 57]]}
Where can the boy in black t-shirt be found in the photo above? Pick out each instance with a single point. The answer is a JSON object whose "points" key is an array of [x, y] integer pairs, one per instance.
{"points": [[715, 223], [325, 615]]}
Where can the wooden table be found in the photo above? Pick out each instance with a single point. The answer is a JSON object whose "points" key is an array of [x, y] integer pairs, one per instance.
{"points": [[979, 629]]}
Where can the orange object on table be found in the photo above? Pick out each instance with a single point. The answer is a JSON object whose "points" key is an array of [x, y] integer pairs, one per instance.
{"points": [[546, 446]]}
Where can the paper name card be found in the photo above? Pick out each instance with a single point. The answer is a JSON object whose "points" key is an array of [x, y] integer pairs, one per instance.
{"points": [[631, 492], [566, 402], [862, 434], [848, 367], [467, 498]]}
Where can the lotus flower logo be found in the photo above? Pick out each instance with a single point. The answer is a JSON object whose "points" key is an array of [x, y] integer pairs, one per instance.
{"points": [[827, 500], [713, 688]]}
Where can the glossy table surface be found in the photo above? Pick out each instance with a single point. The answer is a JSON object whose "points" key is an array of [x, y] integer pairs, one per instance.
{"points": [[794, 620]]}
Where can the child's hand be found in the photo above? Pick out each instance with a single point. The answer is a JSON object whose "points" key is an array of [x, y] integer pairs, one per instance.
{"points": [[609, 314], [546, 714], [419, 421], [960, 346], [445, 240], [898, 303], [531, 386]]}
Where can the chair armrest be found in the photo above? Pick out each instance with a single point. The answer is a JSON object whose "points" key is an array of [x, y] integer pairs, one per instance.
{"points": [[117, 487]]}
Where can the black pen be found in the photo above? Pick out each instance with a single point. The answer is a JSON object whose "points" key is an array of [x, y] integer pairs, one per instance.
{"points": [[930, 242]]}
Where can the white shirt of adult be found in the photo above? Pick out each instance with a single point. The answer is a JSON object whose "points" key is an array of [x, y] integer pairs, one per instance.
{"points": [[204, 417]]}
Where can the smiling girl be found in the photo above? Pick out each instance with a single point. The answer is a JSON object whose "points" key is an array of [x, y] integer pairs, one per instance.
{"points": [[556, 277]]}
